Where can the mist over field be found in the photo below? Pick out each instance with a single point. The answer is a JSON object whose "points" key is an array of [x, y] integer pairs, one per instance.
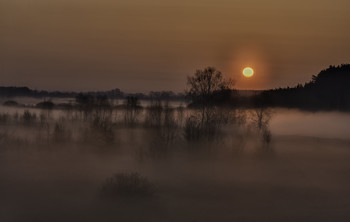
{"points": [[174, 111], [147, 164]]}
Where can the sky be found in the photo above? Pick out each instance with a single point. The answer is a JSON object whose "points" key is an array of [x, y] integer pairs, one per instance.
{"points": [[141, 46]]}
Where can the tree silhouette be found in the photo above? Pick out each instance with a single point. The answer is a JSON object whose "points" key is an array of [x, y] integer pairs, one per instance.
{"points": [[206, 85], [206, 88]]}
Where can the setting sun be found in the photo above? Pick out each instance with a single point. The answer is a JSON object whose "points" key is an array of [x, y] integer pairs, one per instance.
{"points": [[248, 72]]}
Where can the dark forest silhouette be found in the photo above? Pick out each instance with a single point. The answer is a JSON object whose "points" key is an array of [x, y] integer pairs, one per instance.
{"points": [[330, 89]]}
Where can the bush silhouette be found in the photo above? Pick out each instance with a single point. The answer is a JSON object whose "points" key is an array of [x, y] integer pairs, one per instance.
{"points": [[127, 185]]}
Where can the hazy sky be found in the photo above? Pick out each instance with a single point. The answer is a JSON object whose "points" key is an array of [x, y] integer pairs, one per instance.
{"points": [[138, 45]]}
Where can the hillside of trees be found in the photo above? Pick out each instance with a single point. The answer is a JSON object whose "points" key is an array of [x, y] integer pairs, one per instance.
{"points": [[330, 89]]}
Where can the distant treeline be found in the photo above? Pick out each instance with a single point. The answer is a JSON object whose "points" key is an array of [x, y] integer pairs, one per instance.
{"points": [[330, 89], [26, 92], [9, 92]]}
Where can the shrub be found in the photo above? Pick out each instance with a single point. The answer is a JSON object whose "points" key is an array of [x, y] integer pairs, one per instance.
{"points": [[10, 103], [60, 134], [127, 185], [266, 136], [192, 129], [132, 110], [45, 105], [4, 118], [154, 114], [3, 136], [28, 117]]}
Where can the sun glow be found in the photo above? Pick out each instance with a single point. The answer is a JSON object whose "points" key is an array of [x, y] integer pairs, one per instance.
{"points": [[248, 72]]}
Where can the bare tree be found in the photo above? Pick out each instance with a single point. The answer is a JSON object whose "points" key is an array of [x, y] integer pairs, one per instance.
{"points": [[205, 87], [132, 110]]}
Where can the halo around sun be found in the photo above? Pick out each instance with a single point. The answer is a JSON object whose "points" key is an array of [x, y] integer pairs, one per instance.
{"points": [[248, 72]]}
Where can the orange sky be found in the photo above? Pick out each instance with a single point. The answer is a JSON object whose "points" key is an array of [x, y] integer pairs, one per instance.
{"points": [[140, 45]]}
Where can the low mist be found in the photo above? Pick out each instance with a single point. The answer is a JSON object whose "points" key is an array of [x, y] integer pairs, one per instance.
{"points": [[155, 164]]}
